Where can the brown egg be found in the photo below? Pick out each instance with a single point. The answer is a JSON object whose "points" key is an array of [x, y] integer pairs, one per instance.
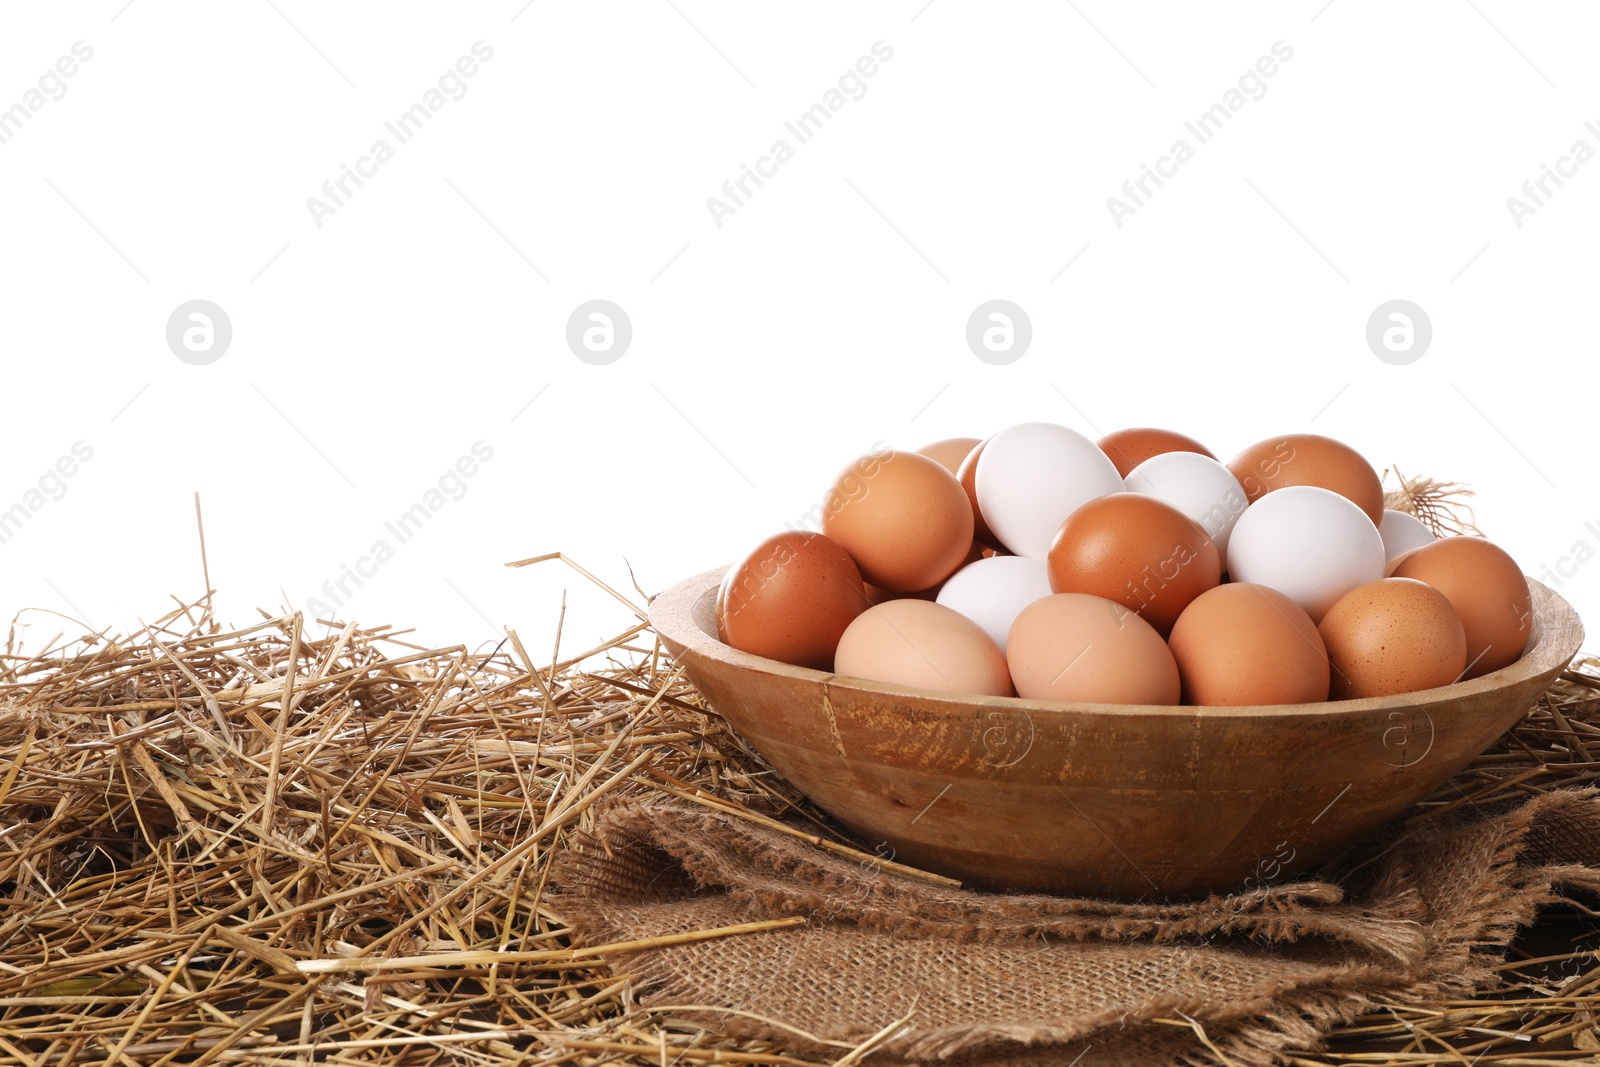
{"points": [[1394, 635], [1488, 591], [903, 518], [1309, 459], [1131, 447], [968, 473], [877, 595], [1076, 647], [1389, 567], [924, 645], [950, 452], [790, 599], [1243, 644], [1138, 551]]}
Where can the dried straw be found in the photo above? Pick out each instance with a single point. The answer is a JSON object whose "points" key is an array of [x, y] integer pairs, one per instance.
{"points": [[262, 844], [1441, 506], [302, 841], [1546, 1014]]}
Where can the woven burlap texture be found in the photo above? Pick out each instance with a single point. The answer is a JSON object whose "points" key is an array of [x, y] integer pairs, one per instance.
{"points": [[1419, 913]]}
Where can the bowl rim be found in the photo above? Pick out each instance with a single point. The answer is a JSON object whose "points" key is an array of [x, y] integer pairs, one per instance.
{"points": [[1555, 638]]}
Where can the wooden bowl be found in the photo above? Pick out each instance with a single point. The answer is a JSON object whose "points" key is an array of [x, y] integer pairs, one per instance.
{"points": [[1106, 800]]}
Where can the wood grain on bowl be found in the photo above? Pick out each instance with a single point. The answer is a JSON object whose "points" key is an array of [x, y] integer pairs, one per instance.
{"points": [[1103, 799]]}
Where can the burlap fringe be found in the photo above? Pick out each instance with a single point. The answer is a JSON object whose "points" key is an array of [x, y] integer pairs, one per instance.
{"points": [[1426, 921]]}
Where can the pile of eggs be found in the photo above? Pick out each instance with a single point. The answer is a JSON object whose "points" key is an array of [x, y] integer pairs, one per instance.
{"points": [[1134, 570]]}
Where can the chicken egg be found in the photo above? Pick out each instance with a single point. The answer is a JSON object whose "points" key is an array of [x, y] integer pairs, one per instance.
{"points": [[1401, 533], [1031, 476], [950, 452], [1077, 647], [924, 645], [1196, 485], [1131, 447], [1307, 542], [1309, 459], [1488, 591], [1394, 635], [790, 599], [903, 518], [1242, 644], [877, 594], [967, 475], [1138, 551], [992, 591]]}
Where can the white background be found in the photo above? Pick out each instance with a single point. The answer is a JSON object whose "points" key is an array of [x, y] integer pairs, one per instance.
{"points": [[827, 313]]}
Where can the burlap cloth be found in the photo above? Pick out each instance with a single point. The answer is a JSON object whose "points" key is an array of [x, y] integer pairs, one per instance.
{"points": [[1417, 914]]}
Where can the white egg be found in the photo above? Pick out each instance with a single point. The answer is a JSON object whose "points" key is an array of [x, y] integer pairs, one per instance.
{"points": [[1309, 543], [992, 592], [1196, 485], [1031, 476], [1402, 533]]}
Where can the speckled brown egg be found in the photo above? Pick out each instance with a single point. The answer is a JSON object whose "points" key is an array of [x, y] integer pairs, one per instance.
{"points": [[1131, 447], [1488, 591], [1309, 459], [790, 599], [903, 518], [950, 452], [1137, 551], [1394, 635], [1245, 644]]}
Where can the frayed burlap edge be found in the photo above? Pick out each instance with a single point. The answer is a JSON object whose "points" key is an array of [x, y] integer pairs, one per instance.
{"points": [[1402, 948]]}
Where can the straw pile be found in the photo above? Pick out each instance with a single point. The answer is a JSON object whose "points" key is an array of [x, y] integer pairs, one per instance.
{"points": [[263, 844], [296, 843]]}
